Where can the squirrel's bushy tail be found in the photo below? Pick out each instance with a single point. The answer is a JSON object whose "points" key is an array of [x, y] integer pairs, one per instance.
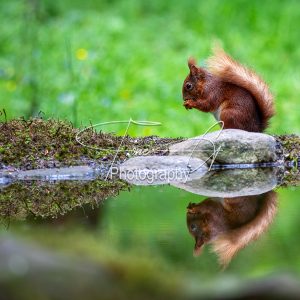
{"points": [[228, 244], [225, 67]]}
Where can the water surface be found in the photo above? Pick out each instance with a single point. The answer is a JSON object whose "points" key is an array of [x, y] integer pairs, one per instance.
{"points": [[143, 233]]}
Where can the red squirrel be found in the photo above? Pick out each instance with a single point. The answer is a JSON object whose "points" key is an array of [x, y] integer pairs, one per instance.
{"points": [[230, 224], [233, 93]]}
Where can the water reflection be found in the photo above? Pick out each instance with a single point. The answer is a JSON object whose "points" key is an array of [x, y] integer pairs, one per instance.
{"points": [[230, 224], [227, 224], [52, 199]]}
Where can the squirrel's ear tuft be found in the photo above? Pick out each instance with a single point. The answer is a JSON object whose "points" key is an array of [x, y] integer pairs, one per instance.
{"points": [[192, 66], [191, 62]]}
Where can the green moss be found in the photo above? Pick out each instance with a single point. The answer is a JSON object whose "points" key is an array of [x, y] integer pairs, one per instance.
{"points": [[44, 199], [291, 146], [37, 143]]}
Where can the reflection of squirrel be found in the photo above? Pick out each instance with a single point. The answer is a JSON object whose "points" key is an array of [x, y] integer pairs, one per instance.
{"points": [[230, 224], [234, 94]]}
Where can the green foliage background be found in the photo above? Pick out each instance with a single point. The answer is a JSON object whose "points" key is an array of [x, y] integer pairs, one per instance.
{"points": [[95, 61]]}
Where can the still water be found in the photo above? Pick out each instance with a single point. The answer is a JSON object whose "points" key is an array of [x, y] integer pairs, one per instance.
{"points": [[146, 242]]}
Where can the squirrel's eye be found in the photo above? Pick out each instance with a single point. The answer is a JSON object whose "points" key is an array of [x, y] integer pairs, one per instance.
{"points": [[188, 86], [193, 227]]}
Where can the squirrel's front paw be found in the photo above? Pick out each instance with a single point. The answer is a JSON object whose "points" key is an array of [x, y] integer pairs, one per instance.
{"points": [[188, 104]]}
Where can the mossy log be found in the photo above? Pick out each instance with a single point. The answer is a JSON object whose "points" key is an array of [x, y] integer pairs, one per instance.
{"points": [[37, 143]]}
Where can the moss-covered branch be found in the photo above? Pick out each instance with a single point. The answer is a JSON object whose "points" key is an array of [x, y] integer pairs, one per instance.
{"points": [[37, 143]]}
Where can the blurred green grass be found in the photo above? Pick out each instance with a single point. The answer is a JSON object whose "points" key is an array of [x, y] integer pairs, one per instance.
{"points": [[96, 61]]}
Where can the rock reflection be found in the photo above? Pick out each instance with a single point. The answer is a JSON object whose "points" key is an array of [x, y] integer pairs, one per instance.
{"points": [[230, 224]]}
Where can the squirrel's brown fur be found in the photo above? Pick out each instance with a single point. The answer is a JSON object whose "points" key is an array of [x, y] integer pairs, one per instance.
{"points": [[233, 93], [230, 224]]}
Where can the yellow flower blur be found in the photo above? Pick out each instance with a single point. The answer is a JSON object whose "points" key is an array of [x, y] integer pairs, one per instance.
{"points": [[11, 85], [82, 54], [125, 94]]}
